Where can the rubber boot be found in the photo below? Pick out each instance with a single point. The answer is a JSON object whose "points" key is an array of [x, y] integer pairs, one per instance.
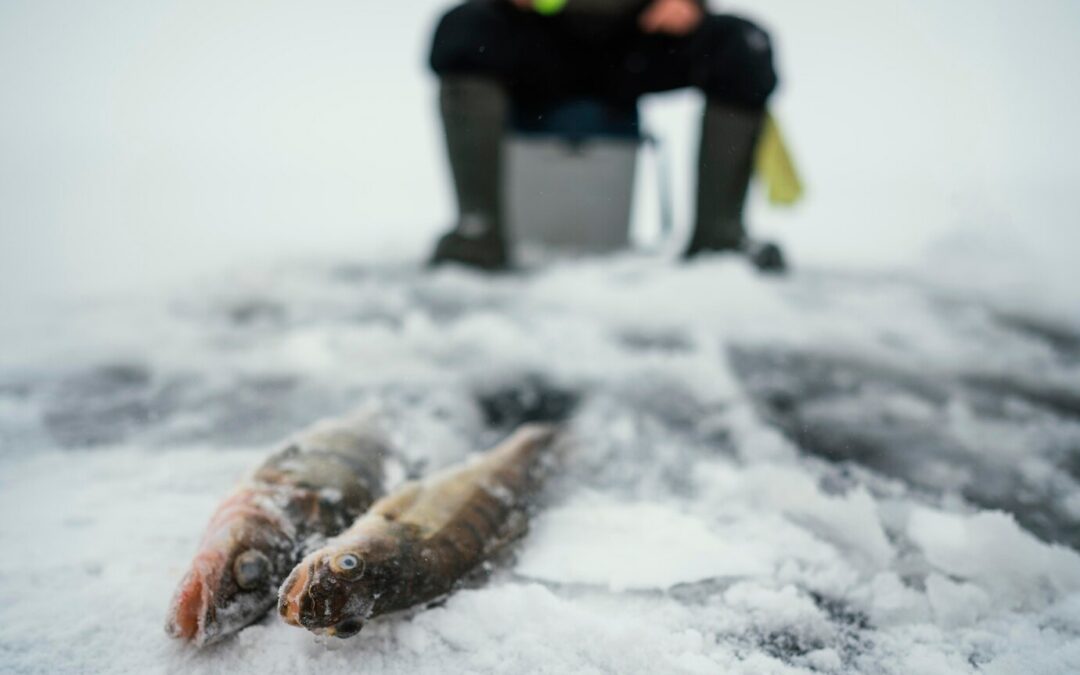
{"points": [[729, 137], [474, 114]]}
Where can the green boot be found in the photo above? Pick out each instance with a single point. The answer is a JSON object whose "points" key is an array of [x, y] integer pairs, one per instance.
{"points": [[474, 114], [725, 164]]}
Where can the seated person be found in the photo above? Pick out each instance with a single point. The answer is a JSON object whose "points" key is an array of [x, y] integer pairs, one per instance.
{"points": [[488, 52]]}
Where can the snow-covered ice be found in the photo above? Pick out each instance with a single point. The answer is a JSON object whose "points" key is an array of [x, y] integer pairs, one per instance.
{"points": [[702, 523]]}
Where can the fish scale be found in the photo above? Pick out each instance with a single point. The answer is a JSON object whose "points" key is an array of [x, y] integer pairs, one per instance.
{"points": [[417, 543]]}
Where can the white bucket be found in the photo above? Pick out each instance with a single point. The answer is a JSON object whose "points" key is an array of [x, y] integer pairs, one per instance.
{"points": [[569, 198]]}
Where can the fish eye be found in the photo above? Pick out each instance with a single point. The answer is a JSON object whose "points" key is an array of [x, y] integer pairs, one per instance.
{"points": [[251, 568], [350, 565]]}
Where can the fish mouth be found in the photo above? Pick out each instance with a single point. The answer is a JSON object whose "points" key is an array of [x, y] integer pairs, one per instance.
{"points": [[345, 629], [302, 605], [292, 594], [192, 611]]}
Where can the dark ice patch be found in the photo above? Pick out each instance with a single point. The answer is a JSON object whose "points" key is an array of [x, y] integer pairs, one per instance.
{"points": [[701, 592], [508, 403], [787, 645], [1063, 340], [17, 388], [256, 312], [1059, 399], [118, 403], [845, 630], [100, 406], [655, 341], [840, 612], [847, 633], [897, 423], [251, 410]]}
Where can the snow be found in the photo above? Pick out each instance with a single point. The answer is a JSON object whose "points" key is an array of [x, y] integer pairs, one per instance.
{"points": [[870, 466], [686, 530], [633, 546], [990, 548]]}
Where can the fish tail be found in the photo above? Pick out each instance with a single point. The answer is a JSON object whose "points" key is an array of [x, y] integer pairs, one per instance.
{"points": [[534, 451]]}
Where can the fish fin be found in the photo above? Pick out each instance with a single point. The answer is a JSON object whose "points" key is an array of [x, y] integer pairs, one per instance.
{"points": [[516, 527], [542, 448], [498, 553], [529, 440]]}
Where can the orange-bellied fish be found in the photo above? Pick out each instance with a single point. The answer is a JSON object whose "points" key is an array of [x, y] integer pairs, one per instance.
{"points": [[417, 543], [312, 489]]}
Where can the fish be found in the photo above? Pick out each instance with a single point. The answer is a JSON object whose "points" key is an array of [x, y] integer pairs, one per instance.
{"points": [[313, 488], [417, 543]]}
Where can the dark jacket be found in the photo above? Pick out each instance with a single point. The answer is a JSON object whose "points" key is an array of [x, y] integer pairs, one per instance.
{"points": [[599, 21], [605, 7], [609, 7]]}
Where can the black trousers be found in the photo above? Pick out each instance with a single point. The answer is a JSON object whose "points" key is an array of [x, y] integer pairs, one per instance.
{"points": [[544, 59]]}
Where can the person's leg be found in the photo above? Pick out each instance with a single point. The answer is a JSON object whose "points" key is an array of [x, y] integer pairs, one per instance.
{"points": [[471, 56], [473, 111], [527, 54], [737, 80], [482, 51], [730, 60]]}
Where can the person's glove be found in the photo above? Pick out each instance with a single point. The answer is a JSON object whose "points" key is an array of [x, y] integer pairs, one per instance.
{"points": [[673, 17]]}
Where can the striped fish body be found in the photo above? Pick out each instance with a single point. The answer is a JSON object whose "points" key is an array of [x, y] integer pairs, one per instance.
{"points": [[416, 544]]}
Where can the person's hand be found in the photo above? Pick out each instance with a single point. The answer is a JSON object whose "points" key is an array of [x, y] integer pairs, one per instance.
{"points": [[674, 17]]}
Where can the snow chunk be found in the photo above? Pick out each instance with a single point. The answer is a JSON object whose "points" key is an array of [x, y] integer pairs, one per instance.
{"points": [[956, 604], [483, 630], [892, 602], [990, 549], [849, 521], [597, 540]]}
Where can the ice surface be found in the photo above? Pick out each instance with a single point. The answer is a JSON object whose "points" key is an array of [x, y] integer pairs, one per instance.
{"points": [[762, 482], [989, 548]]}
